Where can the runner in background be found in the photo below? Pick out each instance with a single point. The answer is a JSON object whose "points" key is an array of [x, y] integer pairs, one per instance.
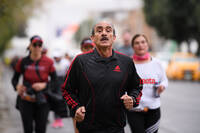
{"points": [[61, 65], [32, 99], [146, 117], [87, 44], [126, 46]]}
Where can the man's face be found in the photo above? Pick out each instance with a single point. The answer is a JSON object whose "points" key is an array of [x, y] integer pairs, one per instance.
{"points": [[86, 48], [126, 38], [57, 59], [103, 35]]}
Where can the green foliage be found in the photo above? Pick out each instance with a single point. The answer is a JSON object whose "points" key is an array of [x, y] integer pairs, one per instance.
{"points": [[178, 20], [13, 16], [84, 30]]}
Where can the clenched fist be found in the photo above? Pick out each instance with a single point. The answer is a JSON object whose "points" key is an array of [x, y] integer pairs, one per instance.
{"points": [[128, 101], [80, 114]]}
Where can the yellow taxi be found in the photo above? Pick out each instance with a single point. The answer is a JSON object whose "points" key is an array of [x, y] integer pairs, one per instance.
{"points": [[183, 66]]}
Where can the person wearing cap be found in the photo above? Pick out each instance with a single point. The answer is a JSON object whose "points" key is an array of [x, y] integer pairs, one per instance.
{"points": [[36, 68], [101, 85], [87, 44]]}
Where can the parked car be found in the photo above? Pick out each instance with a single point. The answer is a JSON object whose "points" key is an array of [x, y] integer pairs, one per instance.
{"points": [[164, 58], [184, 66]]}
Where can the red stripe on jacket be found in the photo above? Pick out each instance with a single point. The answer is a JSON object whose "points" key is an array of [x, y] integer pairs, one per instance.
{"points": [[65, 94]]}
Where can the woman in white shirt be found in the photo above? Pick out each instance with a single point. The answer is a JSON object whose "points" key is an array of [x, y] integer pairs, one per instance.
{"points": [[146, 117]]}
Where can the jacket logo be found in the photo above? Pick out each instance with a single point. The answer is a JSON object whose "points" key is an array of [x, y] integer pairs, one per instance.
{"points": [[117, 69]]}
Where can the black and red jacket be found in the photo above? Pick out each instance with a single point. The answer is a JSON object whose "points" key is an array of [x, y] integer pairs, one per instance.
{"points": [[98, 83], [29, 68]]}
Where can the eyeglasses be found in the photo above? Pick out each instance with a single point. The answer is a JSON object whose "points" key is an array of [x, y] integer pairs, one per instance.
{"points": [[39, 44]]}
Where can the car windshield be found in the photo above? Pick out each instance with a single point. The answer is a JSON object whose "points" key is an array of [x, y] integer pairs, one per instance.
{"points": [[181, 59]]}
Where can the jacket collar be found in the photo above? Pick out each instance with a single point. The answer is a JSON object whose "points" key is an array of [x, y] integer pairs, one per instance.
{"points": [[102, 59]]}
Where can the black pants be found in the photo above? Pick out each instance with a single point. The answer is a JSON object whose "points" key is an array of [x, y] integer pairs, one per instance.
{"points": [[104, 131], [33, 112], [144, 122]]}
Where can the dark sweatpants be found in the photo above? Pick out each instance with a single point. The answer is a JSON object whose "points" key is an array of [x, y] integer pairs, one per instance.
{"points": [[144, 122], [33, 112]]}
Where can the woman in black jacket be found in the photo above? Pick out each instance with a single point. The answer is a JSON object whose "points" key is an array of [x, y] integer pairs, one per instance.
{"points": [[32, 98]]}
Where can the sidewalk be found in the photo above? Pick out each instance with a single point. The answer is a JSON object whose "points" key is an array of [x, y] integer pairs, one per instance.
{"points": [[4, 109], [9, 117]]}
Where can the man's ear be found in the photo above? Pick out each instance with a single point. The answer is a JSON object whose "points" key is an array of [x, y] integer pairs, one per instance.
{"points": [[92, 38]]}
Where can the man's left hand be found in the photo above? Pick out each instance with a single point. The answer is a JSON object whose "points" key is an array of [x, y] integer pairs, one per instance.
{"points": [[128, 101]]}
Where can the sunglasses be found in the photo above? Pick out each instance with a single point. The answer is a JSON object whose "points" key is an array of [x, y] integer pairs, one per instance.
{"points": [[39, 44], [87, 41]]}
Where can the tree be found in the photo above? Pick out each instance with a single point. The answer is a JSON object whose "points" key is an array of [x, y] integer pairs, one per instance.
{"points": [[178, 20], [84, 30], [13, 16]]}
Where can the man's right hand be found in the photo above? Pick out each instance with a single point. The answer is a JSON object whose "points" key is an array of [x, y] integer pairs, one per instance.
{"points": [[80, 114], [20, 89]]}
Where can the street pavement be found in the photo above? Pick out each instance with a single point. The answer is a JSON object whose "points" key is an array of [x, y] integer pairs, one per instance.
{"points": [[180, 109]]}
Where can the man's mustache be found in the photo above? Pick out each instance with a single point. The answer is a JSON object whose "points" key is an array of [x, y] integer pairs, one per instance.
{"points": [[104, 38]]}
